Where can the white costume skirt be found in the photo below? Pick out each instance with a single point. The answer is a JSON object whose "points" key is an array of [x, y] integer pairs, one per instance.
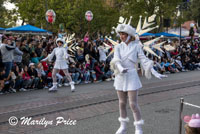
{"points": [[127, 81], [61, 65]]}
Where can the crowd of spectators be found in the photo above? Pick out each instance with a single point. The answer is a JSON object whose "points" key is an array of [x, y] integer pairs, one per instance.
{"points": [[21, 68]]}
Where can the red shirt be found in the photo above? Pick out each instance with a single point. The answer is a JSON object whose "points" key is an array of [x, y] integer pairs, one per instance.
{"points": [[45, 65]]}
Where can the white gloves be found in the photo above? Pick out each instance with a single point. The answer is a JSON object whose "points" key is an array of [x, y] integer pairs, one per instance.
{"points": [[158, 75], [45, 59], [121, 69]]}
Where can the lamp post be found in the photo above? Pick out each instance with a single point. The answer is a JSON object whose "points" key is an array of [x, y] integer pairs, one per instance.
{"points": [[182, 6], [46, 7]]}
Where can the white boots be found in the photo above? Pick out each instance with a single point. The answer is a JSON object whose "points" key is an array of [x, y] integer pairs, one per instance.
{"points": [[72, 86], [123, 125], [53, 88], [138, 126]]}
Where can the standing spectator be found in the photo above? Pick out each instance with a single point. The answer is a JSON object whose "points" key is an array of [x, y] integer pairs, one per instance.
{"points": [[102, 53], [26, 52], [80, 56], [7, 51], [34, 58], [39, 50], [18, 54]]}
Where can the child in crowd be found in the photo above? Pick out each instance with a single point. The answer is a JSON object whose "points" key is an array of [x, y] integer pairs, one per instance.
{"points": [[193, 124], [27, 81]]}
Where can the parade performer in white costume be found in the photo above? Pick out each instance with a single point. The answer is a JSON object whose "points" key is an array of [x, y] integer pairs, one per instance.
{"points": [[127, 82], [60, 64]]}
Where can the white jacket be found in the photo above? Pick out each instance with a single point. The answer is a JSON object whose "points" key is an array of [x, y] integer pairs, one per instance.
{"points": [[126, 56], [61, 58]]}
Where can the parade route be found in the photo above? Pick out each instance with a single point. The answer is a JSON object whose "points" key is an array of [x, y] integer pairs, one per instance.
{"points": [[95, 107]]}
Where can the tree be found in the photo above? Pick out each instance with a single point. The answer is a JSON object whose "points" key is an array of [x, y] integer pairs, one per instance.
{"points": [[2, 14], [162, 9], [193, 11]]}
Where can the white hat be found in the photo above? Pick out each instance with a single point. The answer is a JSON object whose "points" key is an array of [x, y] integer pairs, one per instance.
{"points": [[125, 28], [60, 39], [31, 64]]}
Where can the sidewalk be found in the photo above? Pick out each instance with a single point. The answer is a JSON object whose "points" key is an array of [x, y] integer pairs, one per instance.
{"points": [[161, 116]]}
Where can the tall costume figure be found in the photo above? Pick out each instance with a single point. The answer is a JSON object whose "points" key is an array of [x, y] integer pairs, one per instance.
{"points": [[60, 64], [127, 82]]}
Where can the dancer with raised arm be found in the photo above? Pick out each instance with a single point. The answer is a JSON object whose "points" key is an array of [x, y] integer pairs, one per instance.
{"points": [[60, 64], [127, 82]]}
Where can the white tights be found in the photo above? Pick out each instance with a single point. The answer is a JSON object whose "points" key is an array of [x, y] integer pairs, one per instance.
{"points": [[65, 72], [132, 97]]}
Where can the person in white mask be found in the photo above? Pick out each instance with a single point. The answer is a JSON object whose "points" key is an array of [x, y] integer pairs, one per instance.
{"points": [[127, 82]]}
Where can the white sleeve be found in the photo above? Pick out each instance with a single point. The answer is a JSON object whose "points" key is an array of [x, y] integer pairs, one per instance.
{"points": [[66, 56], [50, 56], [146, 63], [158, 75]]}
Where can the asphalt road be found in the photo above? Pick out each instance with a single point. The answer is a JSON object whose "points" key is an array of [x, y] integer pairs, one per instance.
{"points": [[95, 107]]}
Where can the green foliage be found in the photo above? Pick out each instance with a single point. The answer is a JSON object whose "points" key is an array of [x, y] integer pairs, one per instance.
{"points": [[193, 12], [71, 13]]}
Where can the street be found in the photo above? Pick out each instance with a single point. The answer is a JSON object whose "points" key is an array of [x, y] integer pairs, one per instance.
{"points": [[94, 107]]}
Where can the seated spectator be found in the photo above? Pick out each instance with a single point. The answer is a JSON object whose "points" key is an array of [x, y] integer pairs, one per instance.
{"points": [[59, 79], [27, 81], [108, 72], [167, 66], [158, 67], [178, 63], [49, 77], [193, 124], [99, 74], [92, 72], [42, 77], [33, 74], [79, 70], [86, 74], [73, 72], [2, 72], [19, 80], [9, 83]]}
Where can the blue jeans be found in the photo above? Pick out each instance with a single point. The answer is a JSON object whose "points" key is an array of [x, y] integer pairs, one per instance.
{"points": [[8, 67], [109, 74], [87, 76], [93, 73], [75, 76]]}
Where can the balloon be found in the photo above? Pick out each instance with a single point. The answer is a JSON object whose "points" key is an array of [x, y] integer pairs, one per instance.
{"points": [[50, 16], [89, 15]]}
